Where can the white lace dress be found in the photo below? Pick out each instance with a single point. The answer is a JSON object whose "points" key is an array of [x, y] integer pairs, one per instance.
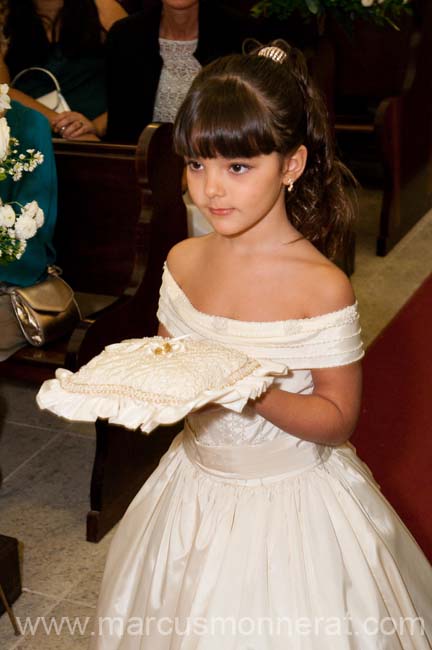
{"points": [[248, 538]]}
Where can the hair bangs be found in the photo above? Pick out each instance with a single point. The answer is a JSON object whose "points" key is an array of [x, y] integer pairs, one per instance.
{"points": [[227, 119]]}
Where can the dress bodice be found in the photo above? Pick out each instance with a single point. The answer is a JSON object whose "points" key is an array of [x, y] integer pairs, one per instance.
{"points": [[323, 341]]}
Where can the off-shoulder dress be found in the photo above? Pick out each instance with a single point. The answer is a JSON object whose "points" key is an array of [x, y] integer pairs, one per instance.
{"points": [[249, 538]]}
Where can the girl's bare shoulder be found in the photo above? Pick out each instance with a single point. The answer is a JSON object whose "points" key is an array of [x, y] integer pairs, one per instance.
{"points": [[326, 287], [318, 286], [185, 256]]}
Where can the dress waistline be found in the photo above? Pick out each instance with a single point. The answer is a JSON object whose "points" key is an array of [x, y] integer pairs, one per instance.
{"points": [[268, 459]]}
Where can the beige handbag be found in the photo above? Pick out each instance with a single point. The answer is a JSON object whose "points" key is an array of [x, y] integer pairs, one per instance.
{"points": [[53, 100], [45, 311]]}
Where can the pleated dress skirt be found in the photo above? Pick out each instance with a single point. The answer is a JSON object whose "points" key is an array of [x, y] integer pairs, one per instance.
{"points": [[263, 547]]}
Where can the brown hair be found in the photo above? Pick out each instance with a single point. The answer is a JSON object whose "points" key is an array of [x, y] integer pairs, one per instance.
{"points": [[247, 105]]}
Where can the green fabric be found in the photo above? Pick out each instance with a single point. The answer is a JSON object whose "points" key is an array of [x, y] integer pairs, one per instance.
{"points": [[34, 132]]}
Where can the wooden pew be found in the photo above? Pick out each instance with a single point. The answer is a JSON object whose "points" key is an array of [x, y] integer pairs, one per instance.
{"points": [[124, 459], [98, 212], [100, 237]]}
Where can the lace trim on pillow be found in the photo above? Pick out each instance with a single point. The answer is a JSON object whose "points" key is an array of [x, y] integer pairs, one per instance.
{"points": [[72, 386]]}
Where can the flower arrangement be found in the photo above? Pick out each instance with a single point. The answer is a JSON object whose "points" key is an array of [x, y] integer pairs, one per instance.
{"points": [[380, 12], [20, 223], [16, 229]]}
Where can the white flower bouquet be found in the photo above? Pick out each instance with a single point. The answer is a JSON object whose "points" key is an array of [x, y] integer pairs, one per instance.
{"points": [[20, 223], [380, 12], [16, 229]]}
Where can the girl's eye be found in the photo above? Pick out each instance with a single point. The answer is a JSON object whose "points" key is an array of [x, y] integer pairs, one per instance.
{"points": [[239, 168], [194, 165]]}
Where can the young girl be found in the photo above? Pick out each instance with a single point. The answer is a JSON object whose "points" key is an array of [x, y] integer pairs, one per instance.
{"points": [[263, 530]]}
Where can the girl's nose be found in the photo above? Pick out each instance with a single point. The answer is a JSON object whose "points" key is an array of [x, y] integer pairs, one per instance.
{"points": [[213, 184]]}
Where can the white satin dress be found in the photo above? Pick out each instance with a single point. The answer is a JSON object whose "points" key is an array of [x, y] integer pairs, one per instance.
{"points": [[248, 538]]}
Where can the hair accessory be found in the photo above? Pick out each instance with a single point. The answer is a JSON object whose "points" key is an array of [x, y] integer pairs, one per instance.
{"points": [[273, 52], [290, 185]]}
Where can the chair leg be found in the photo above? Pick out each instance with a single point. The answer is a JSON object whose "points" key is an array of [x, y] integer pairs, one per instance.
{"points": [[9, 611]]}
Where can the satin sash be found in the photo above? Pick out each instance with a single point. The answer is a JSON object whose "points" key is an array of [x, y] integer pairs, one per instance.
{"points": [[275, 458]]}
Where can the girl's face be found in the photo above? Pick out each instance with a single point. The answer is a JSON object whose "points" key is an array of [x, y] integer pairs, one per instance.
{"points": [[237, 194]]}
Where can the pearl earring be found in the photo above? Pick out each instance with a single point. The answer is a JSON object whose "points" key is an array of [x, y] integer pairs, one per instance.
{"points": [[290, 185]]}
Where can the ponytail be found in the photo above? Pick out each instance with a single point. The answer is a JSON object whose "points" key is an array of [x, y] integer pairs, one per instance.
{"points": [[320, 206]]}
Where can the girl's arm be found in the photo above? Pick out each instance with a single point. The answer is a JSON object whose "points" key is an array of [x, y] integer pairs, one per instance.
{"points": [[109, 12], [327, 416], [162, 331]]}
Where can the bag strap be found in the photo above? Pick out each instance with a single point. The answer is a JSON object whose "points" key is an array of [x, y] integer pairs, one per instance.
{"points": [[48, 72], [53, 269]]}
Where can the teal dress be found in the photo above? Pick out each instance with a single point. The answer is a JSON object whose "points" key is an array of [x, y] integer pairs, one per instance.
{"points": [[34, 132]]}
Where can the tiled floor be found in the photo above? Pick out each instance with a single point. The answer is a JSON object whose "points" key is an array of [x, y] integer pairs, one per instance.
{"points": [[46, 462], [46, 466]]}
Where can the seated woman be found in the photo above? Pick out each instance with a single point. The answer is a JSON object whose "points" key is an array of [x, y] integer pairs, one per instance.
{"points": [[153, 56], [67, 38], [33, 131]]}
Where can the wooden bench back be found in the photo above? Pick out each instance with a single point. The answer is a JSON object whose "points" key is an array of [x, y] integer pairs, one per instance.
{"points": [[124, 459], [160, 179], [98, 212]]}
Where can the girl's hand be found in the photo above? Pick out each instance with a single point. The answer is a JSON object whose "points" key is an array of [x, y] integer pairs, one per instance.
{"points": [[71, 125]]}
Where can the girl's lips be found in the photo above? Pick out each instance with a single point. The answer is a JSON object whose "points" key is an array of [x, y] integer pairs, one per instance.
{"points": [[221, 212]]}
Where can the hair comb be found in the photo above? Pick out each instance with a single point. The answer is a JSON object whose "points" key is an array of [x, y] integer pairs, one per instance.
{"points": [[273, 52]]}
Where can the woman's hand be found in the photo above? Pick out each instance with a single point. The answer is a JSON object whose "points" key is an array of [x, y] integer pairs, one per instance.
{"points": [[71, 125]]}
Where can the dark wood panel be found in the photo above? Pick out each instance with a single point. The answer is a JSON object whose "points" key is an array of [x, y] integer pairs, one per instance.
{"points": [[99, 205]]}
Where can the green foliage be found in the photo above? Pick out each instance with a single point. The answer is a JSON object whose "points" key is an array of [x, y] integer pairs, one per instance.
{"points": [[11, 248], [381, 13]]}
